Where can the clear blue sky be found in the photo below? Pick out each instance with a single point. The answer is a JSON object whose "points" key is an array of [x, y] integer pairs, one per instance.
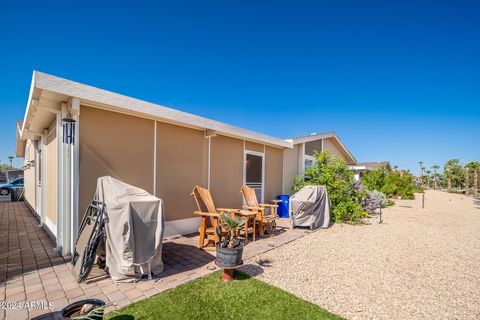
{"points": [[397, 81]]}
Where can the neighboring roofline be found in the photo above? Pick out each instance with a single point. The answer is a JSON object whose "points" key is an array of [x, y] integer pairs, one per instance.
{"points": [[373, 164], [102, 98], [322, 135]]}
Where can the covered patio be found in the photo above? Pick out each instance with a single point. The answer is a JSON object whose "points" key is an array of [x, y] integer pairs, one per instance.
{"points": [[32, 272]]}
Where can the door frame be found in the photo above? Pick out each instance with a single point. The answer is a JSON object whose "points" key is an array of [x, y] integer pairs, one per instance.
{"points": [[262, 155]]}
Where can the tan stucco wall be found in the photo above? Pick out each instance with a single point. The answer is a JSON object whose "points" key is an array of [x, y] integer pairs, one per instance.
{"points": [[273, 173], [252, 146], [51, 175], [29, 175], [333, 147], [114, 144], [182, 163], [290, 168], [226, 177]]}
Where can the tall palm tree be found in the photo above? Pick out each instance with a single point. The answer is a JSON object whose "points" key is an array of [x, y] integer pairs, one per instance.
{"points": [[435, 168], [420, 163], [427, 176], [11, 159]]}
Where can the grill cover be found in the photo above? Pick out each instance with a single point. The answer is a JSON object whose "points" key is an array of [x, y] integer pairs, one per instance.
{"points": [[310, 207], [134, 225]]}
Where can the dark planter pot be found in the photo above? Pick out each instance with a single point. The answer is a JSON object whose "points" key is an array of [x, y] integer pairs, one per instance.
{"points": [[229, 257], [71, 309]]}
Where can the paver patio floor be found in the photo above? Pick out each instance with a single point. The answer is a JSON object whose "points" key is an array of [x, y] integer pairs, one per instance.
{"points": [[34, 273]]}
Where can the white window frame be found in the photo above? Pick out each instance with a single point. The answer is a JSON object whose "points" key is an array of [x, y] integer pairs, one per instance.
{"points": [[311, 158], [260, 154]]}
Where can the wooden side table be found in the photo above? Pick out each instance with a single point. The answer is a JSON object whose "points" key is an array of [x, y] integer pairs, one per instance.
{"points": [[250, 216]]}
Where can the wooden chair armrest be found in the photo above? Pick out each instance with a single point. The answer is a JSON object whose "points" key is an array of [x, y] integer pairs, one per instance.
{"points": [[226, 210], [246, 213], [253, 208], [205, 214], [268, 205]]}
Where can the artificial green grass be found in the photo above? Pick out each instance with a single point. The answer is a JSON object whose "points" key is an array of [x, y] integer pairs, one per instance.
{"points": [[209, 298]]}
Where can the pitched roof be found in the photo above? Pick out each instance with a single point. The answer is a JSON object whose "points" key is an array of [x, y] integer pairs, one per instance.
{"points": [[322, 135], [89, 95]]}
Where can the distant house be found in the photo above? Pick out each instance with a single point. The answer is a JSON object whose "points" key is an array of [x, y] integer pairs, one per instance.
{"points": [[301, 156], [361, 167], [73, 133]]}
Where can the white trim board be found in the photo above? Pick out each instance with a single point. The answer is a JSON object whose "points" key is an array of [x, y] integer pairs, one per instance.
{"points": [[51, 226]]}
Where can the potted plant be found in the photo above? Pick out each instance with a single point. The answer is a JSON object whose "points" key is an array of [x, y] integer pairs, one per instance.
{"points": [[88, 309], [230, 248]]}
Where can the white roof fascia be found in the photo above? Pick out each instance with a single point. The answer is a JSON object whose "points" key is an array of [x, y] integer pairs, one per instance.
{"points": [[135, 106], [29, 105]]}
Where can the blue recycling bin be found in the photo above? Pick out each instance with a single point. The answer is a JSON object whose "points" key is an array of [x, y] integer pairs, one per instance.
{"points": [[283, 206]]}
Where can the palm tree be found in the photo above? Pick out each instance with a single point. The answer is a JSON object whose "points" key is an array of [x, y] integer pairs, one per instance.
{"points": [[421, 168], [395, 168], [11, 158], [427, 176], [435, 168]]}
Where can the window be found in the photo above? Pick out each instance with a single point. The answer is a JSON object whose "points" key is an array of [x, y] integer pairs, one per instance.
{"points": [[309, 161]]}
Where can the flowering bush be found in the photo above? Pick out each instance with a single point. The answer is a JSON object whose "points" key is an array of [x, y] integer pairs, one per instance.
{"points": [[338, 178], [375, 199]]}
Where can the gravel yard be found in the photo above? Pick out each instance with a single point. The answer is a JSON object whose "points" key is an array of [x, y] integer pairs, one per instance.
{"points": [[418, 264]]}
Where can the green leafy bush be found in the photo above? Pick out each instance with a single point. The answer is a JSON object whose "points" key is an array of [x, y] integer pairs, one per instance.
{"points": [[338, 178], [394, 184]]}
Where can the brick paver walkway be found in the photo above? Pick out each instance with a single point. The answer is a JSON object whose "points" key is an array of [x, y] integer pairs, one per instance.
{"points": [[32, 274]]}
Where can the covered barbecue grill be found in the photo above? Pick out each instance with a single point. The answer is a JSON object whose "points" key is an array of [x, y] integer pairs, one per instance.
{"points": [[310, 207], [124, 227]]}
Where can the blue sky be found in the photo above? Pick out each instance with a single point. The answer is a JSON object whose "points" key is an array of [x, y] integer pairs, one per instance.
{"points": [[397, 81]]}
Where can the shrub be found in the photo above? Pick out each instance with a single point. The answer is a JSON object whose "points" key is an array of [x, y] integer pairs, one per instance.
{"points": [[375, 199], [393, 184], [338, 178]]}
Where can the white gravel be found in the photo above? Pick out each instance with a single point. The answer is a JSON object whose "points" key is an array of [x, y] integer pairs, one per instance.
{"points": [[418, 264]]}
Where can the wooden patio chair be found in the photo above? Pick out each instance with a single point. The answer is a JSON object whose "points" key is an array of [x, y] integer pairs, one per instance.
{"points": [[263, 219], [210, 216]]}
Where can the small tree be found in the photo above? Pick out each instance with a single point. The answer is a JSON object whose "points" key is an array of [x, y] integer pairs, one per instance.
{"points": [[454, 173], [338, 178]]}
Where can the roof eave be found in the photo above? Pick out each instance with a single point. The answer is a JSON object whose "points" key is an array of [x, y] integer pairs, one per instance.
{"points": [[103, 98]]}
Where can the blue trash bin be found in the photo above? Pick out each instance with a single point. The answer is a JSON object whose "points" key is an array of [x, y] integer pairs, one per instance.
{"points": [[283, 206]]}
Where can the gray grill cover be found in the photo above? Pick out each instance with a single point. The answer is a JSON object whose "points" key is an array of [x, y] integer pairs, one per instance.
{"points": [[310, 207], [134, 226]]}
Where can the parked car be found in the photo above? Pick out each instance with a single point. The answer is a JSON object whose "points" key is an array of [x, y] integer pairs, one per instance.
{"points": [[5, 188]]}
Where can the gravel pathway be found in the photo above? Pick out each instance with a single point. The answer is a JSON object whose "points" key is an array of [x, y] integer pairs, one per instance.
{"points": [[418, 264]]}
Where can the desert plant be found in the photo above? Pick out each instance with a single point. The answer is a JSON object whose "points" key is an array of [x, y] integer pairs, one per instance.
{"points": [[232, 225], [375, 199], [338, 178]]}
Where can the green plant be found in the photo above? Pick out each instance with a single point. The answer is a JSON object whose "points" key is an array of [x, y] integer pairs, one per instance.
{"points": [[397, 183], [375, 199], [338, 178], [374, 179], [232, 226], [454, 173]]}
